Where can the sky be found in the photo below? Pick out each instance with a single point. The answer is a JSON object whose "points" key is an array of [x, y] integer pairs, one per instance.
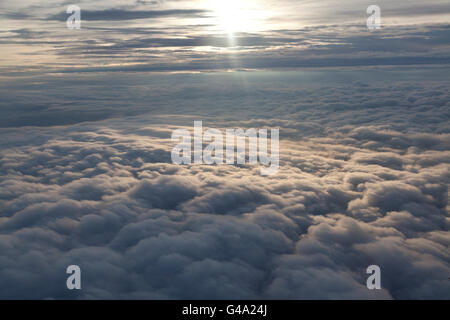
{"points": [[86, 176], [219, 35]]}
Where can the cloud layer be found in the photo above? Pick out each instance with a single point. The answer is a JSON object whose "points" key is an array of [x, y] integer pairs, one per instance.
{"points": [[364, 179], [195, 35]]}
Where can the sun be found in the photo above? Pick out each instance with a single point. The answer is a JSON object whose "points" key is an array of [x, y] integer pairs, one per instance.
{"points": [[237, 15]]}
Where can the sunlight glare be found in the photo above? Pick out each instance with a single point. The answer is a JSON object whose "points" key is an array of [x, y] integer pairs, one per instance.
{"points": [[237, 15]]}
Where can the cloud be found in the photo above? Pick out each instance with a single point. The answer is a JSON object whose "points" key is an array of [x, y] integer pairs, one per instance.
{"points": [[189, 36], [364, 179], [117, 14], [165, 192]]}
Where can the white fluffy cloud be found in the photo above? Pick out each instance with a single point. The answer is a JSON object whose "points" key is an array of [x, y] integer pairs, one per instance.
{"points": [[363, 180]]}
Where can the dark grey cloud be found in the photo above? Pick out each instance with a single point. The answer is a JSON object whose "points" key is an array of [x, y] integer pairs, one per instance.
{"points": [[15, 15], [120, 14], [148, 49]]}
